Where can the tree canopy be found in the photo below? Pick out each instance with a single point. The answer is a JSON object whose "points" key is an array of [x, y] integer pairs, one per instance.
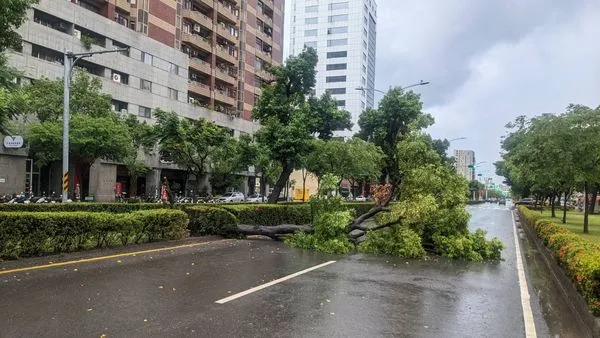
{"points": [[553, 154], [290, 115]]}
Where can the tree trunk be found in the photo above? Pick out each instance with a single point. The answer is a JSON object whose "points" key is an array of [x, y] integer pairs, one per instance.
{"points": [[564, 218], [594, 189], [281, 182], [552, 205], [304, 175], [132, 185], [585, 208], [274, 232]]}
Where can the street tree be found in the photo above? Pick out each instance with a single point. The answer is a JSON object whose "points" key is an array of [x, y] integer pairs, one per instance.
{"points": [[230, 159], [143, 140], [290, 116], [96, 132], [398, 114], [12, 15], [327, 117], [189, 144]]}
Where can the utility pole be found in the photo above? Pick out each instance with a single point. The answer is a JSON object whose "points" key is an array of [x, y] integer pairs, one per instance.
{"points": [[69, 62]]}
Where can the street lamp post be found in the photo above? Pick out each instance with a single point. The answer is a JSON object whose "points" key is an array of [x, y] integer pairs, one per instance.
{"points": [[473, 166], [456, 139], [420, 83], [70, 59]]}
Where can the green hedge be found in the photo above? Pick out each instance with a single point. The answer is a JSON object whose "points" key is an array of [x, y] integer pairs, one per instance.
{"points": [[270, 214], [210, 220], [579, 257], [34, 233], [84, 206]]}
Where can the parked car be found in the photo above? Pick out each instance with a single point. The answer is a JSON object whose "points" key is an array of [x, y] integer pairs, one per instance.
{"points": [[256, 198], [525, 201], [502, 201], [360, 198], [232, 197]]}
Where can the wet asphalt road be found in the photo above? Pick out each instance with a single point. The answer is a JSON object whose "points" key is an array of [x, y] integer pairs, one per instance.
{"points": [[172, 293]]}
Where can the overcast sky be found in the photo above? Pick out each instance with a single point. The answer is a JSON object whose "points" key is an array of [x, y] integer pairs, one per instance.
{"points": [[489, 61]]}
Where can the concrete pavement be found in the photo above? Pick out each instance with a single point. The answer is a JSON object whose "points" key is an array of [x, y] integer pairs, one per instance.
{"points": [[173, 293]]}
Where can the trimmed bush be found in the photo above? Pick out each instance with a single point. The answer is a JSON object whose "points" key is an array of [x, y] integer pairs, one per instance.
{"points": [[579, 257], [35, 233], [209, 220]]}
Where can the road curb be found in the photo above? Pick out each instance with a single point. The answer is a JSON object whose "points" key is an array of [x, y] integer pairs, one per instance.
{"points": [[560, 280]]}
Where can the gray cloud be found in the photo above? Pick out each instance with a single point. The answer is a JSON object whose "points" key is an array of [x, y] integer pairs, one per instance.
{"points": [[489, 61]]}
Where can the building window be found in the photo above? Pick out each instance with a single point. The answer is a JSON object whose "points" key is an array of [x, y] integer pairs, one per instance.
{"points": [[337, 66], [341, 103], [336, 90], [119, 106], [338, 18], [337, 42], [311, 44], [311, 9], [341, 78], [337, 30], [173, 94], [333, 55], [120, 77], [145, 112], [147, 58], [145, 85], [338, 5], [173, 68], [311, 21], [310, 32]]}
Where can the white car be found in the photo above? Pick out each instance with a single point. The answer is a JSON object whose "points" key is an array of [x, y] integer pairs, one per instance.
{"points": [[231, 197], [256, 198]]}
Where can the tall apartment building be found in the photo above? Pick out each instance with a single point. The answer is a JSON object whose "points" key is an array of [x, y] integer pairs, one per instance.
{"points": [[200, 58], [464, 159], [344, 34]]}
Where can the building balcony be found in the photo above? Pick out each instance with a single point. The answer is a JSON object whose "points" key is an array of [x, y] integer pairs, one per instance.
{"points": [[222, 96], [264, 55], [198, 17], [265, 18], [224, 75], [269, 4], [123, 4], [226, 12], [226, 34], [198, 41], [263, 74], [265, 37], [224, 54], [199, 88], [200, 65], [208, 3]]}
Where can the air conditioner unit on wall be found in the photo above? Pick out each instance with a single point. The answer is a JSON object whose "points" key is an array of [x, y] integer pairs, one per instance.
{"points": [[116, 77], [191, 100], [123, 111], [132, 2], [196, 28], [77, 33]]}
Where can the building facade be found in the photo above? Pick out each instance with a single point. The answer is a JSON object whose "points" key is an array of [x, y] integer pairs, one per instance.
{"points": [[464, 159], [203, 59], [344, 34]]}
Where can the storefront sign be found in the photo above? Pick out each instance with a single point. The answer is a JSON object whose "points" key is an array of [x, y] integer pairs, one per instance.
{"points": [[13, 141]]}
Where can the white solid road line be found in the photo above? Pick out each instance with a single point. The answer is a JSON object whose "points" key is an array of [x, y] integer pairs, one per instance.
{"points": [[271, 283], [525, 297]]}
